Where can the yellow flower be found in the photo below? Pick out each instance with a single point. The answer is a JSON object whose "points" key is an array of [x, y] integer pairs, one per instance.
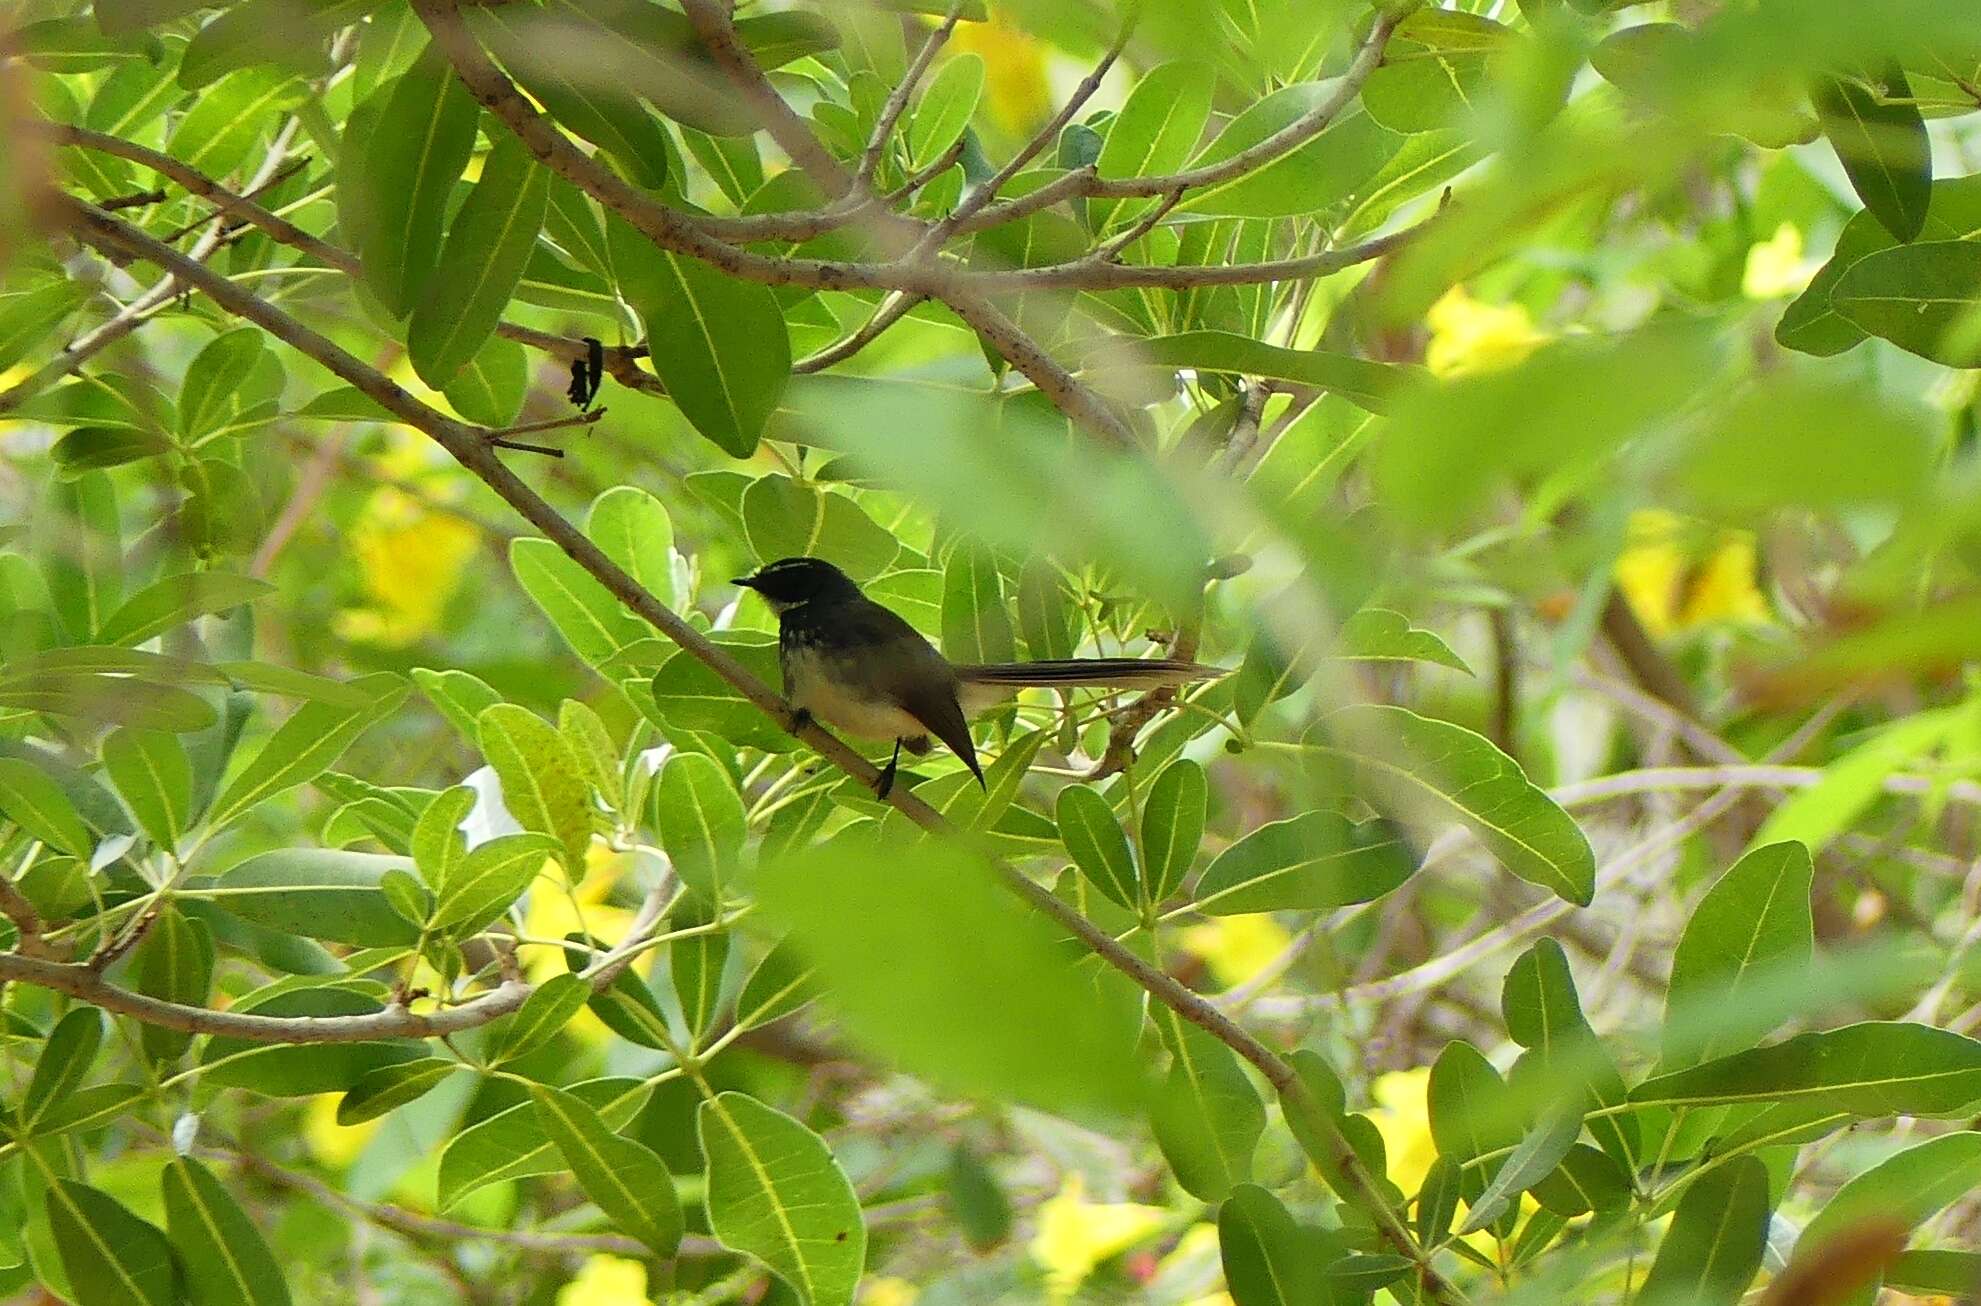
{"points": [[1075, 1235], [886, 1291], [1467, 336], [1679, 575], [410, 558], [333, 1144], [1402, 1116], [607, 1281], [1015, 86], [1775, 266], [1237, 947], [552, 913]]}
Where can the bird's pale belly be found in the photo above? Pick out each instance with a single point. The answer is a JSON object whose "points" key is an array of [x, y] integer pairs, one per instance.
{"points": [[810, 688]]}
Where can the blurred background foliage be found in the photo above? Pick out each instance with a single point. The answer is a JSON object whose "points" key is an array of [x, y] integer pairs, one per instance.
{"points": [[1588, 820]]}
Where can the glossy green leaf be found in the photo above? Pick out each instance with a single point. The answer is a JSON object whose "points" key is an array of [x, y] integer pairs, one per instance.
{"points": [[1269, 1260], [304, 746], [1207, 1116], [319, 893], [228, 119], [456, 695], [1155, 132], [1436, 71], [173, 962], [1755, 922], [175, 600], [436, 846], [207, 398], [548, 1009], [1433, 770], [1379, 635], [1873, 1069], [1881, 142], [224, 1256], [302, 1070], [482, 885], [719, 343], [1471, 1111], [1531, 1161], [595, 624], [635, 531], [112, 1256], [490, 387], [786, 519], [688, 695], [267, 32], [1172, 826], [1713, 1247], [695, 965], [154, 778], [37, 804], [1543, 1013], [775, 1193], [945, 109], [1910, 1187], [512, 1144], [1316, 860], [781, 983], [417, 149], [700, 818], [1925, 298], [1321, 173], [542, 784], [975, 625], [65, 1059], [1097, 844], [30, 318], [627, 1181], [482, 260]]}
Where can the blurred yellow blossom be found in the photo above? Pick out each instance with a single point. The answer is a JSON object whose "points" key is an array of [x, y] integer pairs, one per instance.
{"points": [[1015, 86], [1679, 575], [1075, 1235], [332, 1144], [1468, 336], [887, 1291], [552, 913], [410, 558], [1237, 947], [1402, 1115], [1775, 266], [607, 1281]]}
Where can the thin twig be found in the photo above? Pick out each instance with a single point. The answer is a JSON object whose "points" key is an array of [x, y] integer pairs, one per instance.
{"points": [[892, 310], [549, 424], [897, 100]]}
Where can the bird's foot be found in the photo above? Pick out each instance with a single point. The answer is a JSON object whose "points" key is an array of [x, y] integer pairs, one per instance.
{"points": [[797, 719]]}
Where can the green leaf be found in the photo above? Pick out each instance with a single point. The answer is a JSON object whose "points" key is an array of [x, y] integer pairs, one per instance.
{"points": [[592, 621], [976, 1200], [154, 778], [92, 448], [224, 1256], [1095, 841], [174, 963], [1533, 1160], [1207, 1117], [65, 1059], [1713, 1248], [975, 625], [627, 1181], [228, 119], [113, 1258], [417, 150], [1881, 142], [1155, 132], [304, 746], [483, 884], [1853, 782], [303, 1069], [1435, 71], [786, 519], [1544, 1014], [1587, 1180], [1924, 298], [591, 743], [542, 784], [775, 1193], [456, 695], [175, 600], [29, 319], [1315, 860], [1172, 827], [700, 818], [688, 695], [634, 530], [511, 1144], [391, 1087], [544, 1014], [780, 985], [490, 240], [1754, 924], [37, 804], [1472, 1114], [320, 893], [437, 846], [1269, 1260], [695, 965], [490, 388], [976, 993], [1422, 766], [1379, 635], [1910, 1186], [208, 396], [267, 31], [719, 344], [1318, 175], [1366, 384], [945, 109], [1873, 1069]]}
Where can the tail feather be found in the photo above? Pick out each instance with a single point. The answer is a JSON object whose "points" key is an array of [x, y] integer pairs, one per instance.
{"points": [[1102, 673]]}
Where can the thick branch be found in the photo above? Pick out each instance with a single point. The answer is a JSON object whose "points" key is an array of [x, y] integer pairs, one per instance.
{"points": [[468, 447]]}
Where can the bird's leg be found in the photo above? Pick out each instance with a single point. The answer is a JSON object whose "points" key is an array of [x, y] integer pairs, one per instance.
{"points": [[797, 719], [885, 785]]}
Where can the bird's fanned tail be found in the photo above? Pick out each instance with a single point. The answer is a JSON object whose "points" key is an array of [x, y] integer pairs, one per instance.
{"points": [[1096, 673]]}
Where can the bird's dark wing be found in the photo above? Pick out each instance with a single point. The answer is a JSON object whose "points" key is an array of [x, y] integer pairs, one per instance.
{"points": [[933, 702]]}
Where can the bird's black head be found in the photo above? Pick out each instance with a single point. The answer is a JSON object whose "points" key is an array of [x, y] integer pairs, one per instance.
{"points": [[789, 582]]}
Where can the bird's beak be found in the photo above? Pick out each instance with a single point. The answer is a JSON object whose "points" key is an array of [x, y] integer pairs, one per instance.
{"points": [[747, 582]]}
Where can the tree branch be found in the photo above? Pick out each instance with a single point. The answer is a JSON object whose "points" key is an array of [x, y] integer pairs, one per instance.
{"points": [[890, 112]]}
